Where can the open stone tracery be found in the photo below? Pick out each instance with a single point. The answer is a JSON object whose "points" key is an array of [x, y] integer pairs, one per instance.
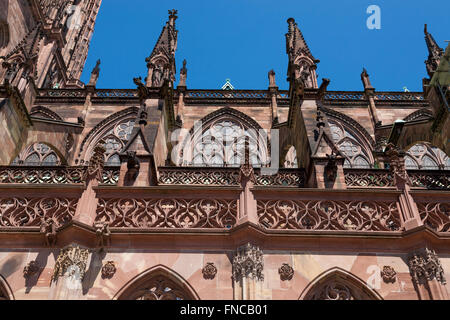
{"points": [[329, 215]]}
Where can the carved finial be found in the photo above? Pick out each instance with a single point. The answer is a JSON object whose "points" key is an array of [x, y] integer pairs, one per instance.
{"points": [[365, 79], [425, 29], [172, 16], [271, 75], [94, 74], [183, 75]]}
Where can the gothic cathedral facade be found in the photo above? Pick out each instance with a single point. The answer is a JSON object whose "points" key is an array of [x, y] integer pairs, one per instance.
{"points": [[164, 192]]}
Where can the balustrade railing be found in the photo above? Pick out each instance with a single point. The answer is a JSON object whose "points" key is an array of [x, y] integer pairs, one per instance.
{"points": [[62, 93], [426, 179], [399, 96], [52, 175], [170, 213], [329, 215], [211, 176], [116, 93]]}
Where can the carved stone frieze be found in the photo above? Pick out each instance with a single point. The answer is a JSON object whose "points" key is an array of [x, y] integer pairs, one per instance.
{"points": [[209, 271], [248, 263], [425, 266], [73, 260]]}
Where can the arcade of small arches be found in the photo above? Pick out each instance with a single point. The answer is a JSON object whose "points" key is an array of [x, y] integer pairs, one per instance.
{"points": [[220, 142]]}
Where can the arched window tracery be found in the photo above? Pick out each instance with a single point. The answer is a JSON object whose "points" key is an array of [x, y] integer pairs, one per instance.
{"points": [[222, 142], [160, 283], [114, 139], [339, 285], [426, 157], [356, 155], [37, 154]]}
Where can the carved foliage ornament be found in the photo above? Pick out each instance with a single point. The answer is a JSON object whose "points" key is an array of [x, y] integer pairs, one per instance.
{"points": [[69, 257], [388, 274], [96, 164], [286, 272], [425, 266], [31, 269], [108, 270], [209, 271], [248, 263]]}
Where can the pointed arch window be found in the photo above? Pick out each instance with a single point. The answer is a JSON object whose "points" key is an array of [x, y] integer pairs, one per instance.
{"points": [[115, 139], [423, 156], [356, 155], [221, 143], [38, 154], [340, 285]]}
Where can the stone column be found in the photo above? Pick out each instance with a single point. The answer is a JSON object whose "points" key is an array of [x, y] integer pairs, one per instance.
{"points": [[248, 275], [68, 274], [427, 275]]}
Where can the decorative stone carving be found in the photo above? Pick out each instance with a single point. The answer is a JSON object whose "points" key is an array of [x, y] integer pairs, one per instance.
{"points": [[94, 74], [48, 229], [209, 271], [329, 215], [133, 163], [425, 266], [334, 291], [286, 272], [68, 257], [168, 213], [96, 164], [397, 164], [388, 274], [31, 269], [108, 270], [248, 263], [103, 234]]}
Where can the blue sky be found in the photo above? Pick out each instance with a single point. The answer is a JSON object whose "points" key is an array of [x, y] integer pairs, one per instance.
{"points": [[244, 39]]}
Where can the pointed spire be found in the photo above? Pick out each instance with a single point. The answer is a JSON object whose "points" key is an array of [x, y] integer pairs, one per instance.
{"points": [[302, 64], [94, 74], [183, 75], [365, 79], [271, 76], [435, 53], [161, 62]]}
